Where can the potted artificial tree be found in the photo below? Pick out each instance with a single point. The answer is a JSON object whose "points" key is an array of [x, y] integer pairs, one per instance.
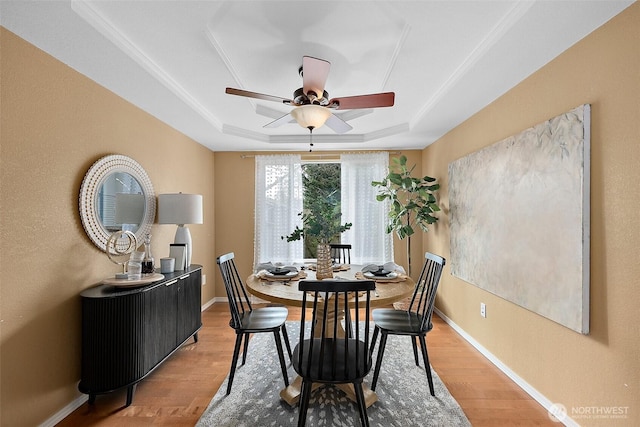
{"points": [[320, 218], [412, 201]]}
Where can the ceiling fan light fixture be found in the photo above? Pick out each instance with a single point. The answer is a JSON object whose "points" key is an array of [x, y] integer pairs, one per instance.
{"points": [[311, 116]]}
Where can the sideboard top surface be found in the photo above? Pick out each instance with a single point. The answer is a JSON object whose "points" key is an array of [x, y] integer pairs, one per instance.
{"points": [[107, 291]]}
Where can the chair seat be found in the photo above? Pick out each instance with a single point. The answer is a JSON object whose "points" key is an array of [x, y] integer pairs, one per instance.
{"points": [[398, 321], [263, 319], [342, 370]]}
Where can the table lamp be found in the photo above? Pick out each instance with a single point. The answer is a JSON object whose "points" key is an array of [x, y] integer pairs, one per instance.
{"points": [[181, 209]]}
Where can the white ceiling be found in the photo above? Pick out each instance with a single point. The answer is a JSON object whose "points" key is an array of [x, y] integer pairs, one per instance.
{"points": [[445, 60]]}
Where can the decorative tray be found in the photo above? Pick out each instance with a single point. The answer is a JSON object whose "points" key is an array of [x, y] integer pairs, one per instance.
{"points": [[126, 283]]}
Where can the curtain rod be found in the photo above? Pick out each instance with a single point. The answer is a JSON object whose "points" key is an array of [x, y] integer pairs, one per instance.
{"points": [[332, 156]]}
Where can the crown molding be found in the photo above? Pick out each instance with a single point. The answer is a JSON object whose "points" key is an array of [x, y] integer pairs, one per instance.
{"points": [[94, 18]]}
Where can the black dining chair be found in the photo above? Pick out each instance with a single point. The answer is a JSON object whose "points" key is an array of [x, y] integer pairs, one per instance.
{"points": [[246, 320], [414, 322], [325, 353], [340, 253]]}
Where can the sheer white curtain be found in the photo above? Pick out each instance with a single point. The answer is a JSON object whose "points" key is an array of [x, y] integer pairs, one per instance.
{"points": [[278, 201], [370, 243]]}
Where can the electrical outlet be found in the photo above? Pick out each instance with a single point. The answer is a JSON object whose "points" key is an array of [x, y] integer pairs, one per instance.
{"points": [[204, 279], [483, 310]]}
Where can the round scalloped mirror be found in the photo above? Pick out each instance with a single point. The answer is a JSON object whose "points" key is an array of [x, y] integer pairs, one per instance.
{"points": [[116, 195]]}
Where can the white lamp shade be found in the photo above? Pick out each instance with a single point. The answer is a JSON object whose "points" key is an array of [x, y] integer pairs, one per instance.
{"points": [[311, 116], [180, 208]]}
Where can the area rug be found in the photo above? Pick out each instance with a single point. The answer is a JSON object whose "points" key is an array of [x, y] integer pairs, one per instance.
{"points": [[403, 393]]}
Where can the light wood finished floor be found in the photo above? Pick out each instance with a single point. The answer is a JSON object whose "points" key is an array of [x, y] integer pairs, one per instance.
{"points": [[179, 391]]}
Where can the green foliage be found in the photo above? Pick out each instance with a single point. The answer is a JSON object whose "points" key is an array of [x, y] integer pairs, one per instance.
{"points": [[412, 200], [321, 209]]}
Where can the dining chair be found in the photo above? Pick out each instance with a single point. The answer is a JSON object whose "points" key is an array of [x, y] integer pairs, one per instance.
{"points": [[340, 253], [325, 353], [414, 322], [246, 320]]}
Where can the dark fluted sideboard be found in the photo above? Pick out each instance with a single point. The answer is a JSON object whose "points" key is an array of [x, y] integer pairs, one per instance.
{"points": [[128, 332]]}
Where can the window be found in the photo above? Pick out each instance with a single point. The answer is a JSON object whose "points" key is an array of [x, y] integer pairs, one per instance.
{"points": [[279, 201], [320, 180]]}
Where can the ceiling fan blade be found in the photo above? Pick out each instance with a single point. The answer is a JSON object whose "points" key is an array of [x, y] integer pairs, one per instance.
{"points": [[248, 94], [287, 118], [374, 100], [314, 75], [337, 124]]}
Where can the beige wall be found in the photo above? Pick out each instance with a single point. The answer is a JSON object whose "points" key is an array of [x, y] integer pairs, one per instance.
{"points": [[55, 124], [601, 369]]}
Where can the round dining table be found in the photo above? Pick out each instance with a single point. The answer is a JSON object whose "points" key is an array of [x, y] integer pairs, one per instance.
{"points": [[284, 290]]}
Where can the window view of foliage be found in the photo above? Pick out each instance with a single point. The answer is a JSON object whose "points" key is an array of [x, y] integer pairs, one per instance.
{"points": [[321, 183], [321, 207]]}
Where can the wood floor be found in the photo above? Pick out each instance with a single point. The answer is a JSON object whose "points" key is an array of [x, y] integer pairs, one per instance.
{"points": [[179, 391]]}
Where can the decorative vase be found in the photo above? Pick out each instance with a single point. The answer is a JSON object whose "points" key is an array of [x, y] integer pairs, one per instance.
{"points": [[324, 266]]}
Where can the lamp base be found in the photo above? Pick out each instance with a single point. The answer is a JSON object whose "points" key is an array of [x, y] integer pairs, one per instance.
{"points": [[183, 236]]}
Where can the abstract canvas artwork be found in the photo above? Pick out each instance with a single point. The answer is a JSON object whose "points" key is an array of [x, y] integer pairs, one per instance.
{"points": [[519, 216]]}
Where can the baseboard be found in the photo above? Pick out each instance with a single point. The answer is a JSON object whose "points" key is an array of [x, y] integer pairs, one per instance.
{"points": [[209, 303], [252, 299], [535, 394], [64, 412]]}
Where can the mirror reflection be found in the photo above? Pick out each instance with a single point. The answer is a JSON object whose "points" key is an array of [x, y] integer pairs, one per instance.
{"points": [[120, 203]]}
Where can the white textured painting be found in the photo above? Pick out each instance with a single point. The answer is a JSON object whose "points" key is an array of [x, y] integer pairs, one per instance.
{"points": [[519, 215]]}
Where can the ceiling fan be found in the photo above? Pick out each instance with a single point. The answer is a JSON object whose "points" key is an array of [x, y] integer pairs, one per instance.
{"points": [[312, 103]]}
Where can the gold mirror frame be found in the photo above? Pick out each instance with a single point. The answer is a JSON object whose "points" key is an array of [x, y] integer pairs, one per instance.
{"points": [[91, 185]]}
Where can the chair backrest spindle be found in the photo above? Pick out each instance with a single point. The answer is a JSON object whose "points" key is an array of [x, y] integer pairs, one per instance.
{"points": [[423, 300], [341, 253], [239, 302]]}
